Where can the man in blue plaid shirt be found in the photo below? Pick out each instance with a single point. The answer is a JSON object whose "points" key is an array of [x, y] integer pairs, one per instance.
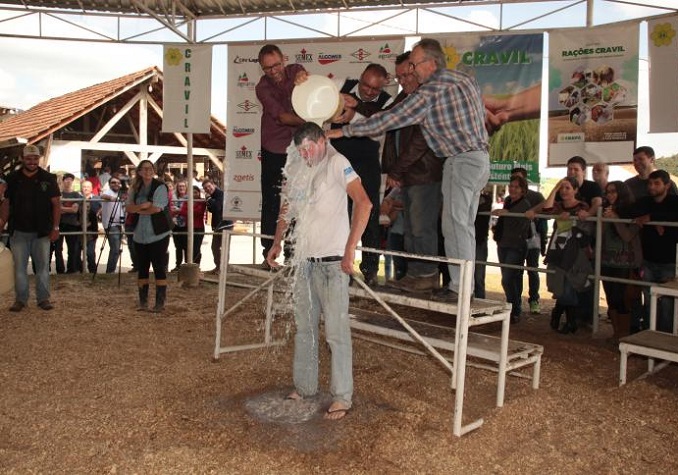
{"points": [[449, 108]]}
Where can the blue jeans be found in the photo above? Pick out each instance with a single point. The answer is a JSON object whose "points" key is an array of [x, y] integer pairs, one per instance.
{"points": [[395, 242], [464, 177], [114, 243], [421, 212], [322, 288], [480, 270], [511, 279], [532, 260], [658, 272], [91, 255], [74, 245], [24, 245]]}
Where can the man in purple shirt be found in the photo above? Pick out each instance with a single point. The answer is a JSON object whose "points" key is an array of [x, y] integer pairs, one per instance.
{"points": [[278, 123], [449, 108]]}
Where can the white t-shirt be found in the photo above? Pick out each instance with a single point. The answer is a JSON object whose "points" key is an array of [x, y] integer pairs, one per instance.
{"points": [[318, 200], [107, 208]]}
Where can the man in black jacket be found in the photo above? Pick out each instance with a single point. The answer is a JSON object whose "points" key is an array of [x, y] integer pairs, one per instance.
{"points": [[658, 243], [33, 209], [363, 98], [215, 205]]}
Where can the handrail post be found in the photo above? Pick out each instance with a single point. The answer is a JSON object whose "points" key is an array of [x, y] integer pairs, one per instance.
{"points": [[596, 263]]}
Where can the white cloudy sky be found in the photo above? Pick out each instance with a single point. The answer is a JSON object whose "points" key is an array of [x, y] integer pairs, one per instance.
{"points": [[32, 71]]}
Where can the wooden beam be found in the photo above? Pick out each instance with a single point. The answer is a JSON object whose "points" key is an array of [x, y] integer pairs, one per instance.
{"points": [[114, 120]]}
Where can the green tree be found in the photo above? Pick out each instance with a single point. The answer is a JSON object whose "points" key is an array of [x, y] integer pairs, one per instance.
{"points": [[670, 164]]}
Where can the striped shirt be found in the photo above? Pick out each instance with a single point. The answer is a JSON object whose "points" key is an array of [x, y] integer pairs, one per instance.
{"points": [[448, 107]]}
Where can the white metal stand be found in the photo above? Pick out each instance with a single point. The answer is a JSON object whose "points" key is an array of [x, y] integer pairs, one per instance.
{"points": [[652, 343], [466, 343]]}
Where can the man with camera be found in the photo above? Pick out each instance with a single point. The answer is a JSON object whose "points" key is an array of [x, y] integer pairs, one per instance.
{"points": [[113, 220]]}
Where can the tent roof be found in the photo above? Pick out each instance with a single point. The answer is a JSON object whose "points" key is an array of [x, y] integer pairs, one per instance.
{"points": [[224, 8]]}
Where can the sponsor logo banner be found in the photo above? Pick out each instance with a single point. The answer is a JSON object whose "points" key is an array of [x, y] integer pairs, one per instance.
{"points": [[593, 94], [508, 69], [187, 88], [663, 53]]}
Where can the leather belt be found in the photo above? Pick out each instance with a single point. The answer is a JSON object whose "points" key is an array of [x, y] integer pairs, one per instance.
{"points": [[325, 259]]}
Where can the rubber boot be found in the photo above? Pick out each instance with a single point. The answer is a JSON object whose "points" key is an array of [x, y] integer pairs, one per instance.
{"points": [[160, 296], [143, 298], [556, 313], [570, 326]]}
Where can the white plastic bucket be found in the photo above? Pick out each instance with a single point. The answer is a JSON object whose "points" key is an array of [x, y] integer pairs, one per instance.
{"points": [[6, 270], [316, 99]]}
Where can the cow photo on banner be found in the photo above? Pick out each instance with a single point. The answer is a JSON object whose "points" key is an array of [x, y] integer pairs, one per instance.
{"points": [[508, 69], [336, 60], [593, 94]]}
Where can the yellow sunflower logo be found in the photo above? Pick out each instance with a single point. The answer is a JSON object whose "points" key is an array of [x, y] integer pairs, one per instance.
{"points": [[452, 57], [173, 56], [663, 34]]}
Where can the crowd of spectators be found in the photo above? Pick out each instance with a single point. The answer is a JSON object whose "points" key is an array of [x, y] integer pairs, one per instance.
{"points": [[106, 223]]}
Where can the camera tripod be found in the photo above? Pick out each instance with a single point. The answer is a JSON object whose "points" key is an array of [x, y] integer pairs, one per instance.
{"points": [[111, 227]]}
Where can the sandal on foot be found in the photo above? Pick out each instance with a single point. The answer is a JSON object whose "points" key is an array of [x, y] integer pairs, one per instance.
{"points": [[336, 414]]}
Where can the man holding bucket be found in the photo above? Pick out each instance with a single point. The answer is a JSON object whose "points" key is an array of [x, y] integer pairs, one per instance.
{"points": [[278, 123]]}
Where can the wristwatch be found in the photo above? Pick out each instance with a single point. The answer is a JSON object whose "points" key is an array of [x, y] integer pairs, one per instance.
{"points": [[56, 228]]}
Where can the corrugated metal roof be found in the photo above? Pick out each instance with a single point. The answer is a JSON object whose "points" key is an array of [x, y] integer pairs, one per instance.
{"points": [[225, 8]]}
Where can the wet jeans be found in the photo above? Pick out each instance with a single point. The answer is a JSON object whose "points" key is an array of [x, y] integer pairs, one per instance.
{"points": [[322, 288], [24, 245]]}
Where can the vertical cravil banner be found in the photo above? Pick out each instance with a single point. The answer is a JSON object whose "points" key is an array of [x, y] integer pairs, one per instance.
{"points": [[337, 60], [593, 94], [662, 45], [508, 69], [187, 88]]}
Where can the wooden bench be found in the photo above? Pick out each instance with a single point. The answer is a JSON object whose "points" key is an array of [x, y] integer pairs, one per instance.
{"points": [[651, 343]]}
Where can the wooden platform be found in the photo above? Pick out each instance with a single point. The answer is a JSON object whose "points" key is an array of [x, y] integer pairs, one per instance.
{"points": [[496, 353], [482, 310]]}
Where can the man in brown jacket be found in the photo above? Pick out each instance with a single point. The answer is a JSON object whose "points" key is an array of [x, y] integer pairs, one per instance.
{"points": [[412, 166]]}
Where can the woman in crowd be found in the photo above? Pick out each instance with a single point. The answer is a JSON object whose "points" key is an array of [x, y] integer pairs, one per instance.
{"points": [[621, 256], [149, 199], [199, 208], [511, 234], [565, 211], [181, 228]]}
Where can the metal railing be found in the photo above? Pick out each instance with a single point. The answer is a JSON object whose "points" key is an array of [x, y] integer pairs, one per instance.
{"points": [[596, 277]]}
